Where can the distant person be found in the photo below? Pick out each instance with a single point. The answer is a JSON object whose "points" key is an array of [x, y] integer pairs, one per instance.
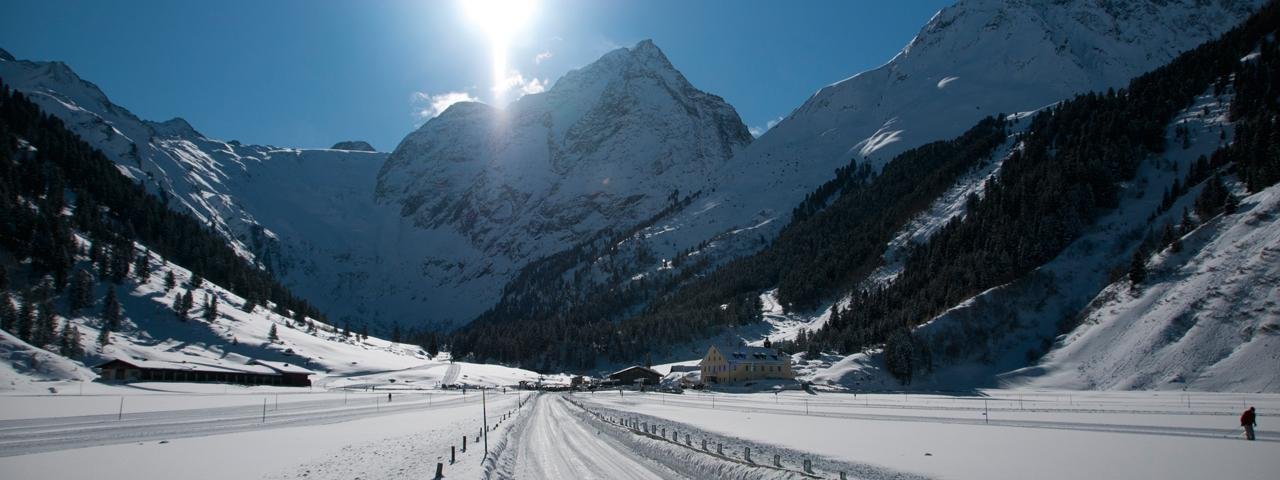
{"points": [[1248, 420]]}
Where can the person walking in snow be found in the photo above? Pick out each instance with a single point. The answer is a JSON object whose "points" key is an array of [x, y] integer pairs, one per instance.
{"points": [[1248, 420]]}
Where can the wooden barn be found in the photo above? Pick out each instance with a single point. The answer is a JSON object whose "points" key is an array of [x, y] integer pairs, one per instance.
{"points": [[256, 372], [630, 375]]}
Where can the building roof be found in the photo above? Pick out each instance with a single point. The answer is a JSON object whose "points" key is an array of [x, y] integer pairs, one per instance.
{"points": [[634, 367], [219, 367], [284, 367], [749, 354]]}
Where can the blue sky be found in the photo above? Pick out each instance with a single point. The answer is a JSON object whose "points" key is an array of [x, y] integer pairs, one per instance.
{"points": [[310, 73]]}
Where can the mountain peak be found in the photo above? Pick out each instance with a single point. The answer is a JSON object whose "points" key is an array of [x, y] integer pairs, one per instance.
{"points": [[353, 145], [175, 127]]}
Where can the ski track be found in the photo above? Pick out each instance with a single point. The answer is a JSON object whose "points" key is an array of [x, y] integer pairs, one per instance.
{"points": [[20, 437], [451, 375], [554, 442]]}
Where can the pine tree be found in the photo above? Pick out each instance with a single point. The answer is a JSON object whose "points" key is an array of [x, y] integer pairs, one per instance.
{"points": [[433, 345], [249, 305], [46, 328], [187, 303], [1138, 267], [142, 266], [26, 320], [111, 311], [104, 337], [169, 281], [210, 308], [196, 280], [69, 341], [80, 294], [396, 334], [272, 335], [8, 314]]}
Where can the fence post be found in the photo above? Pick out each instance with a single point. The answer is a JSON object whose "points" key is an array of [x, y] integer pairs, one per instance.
{"points": [[464, 444], [808, 466], [453, 454], [720, 449], [777, 460], [439, 470], [842, 476], [704, 444], [746, 454]]}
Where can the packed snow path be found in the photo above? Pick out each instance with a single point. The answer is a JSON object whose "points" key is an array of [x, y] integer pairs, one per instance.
{"points": [[556, 442]]}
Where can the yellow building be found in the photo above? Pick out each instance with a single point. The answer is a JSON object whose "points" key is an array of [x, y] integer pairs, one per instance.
{"points": [[729, 364]]}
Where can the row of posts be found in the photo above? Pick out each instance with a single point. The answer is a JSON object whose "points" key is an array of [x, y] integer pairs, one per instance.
{"points": [[484, 433], [644, 426]]}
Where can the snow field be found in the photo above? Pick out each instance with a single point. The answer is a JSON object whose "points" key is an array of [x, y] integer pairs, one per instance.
{"points": [[702, 454], [403, 439], [1121, 434]]}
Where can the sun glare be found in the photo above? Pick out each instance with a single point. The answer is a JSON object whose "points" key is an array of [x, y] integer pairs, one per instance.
{"points": [[500, 20]]}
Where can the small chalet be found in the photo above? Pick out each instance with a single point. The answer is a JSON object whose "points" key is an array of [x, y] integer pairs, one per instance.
{"points": [[629, 376], [256, 372], [729, 364]]}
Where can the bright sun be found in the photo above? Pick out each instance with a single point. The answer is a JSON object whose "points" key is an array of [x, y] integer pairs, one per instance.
{"points": [[500, 20]]}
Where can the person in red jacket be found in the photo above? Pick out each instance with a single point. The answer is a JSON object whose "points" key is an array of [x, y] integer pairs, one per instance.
{"points": [[1248, 420]]}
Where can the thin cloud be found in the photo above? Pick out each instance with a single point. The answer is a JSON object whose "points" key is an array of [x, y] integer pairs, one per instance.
{"points": [[427, 106], [537, 59], [525, 86], [757, 131]]}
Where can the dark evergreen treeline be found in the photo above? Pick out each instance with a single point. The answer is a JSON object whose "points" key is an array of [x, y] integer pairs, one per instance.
{"points": [[1075, 155], [571, 324], [41, 161]]}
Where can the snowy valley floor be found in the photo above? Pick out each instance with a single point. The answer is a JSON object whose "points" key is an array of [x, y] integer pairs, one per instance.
{"points": [[220, 432]]}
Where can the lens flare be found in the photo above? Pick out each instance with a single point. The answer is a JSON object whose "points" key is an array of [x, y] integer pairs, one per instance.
{"points": [[500, 20]]}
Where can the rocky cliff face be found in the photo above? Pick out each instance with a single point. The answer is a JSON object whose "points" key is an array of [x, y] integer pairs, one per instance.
{"points": [[607, 146]]}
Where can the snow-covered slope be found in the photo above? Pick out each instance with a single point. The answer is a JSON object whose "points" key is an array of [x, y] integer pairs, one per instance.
{"points": [[973, 59], [150, 330], [607, 146], [1205, 319]]}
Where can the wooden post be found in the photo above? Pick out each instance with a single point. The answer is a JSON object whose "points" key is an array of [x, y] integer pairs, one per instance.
{"points": [[120, 414], [746, 454], [464, 444], [484, 410], [777, 460], [453, 454], [439, 470], [264, 410], [808, 466], [720, 449]]}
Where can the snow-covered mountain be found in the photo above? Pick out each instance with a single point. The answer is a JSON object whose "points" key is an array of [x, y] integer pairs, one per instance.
{"points": [[974, 59], [305, 214], [607, 146], [460, 205]]}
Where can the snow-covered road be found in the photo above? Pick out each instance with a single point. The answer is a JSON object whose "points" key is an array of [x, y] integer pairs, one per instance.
{"points": [[556, 442]]}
